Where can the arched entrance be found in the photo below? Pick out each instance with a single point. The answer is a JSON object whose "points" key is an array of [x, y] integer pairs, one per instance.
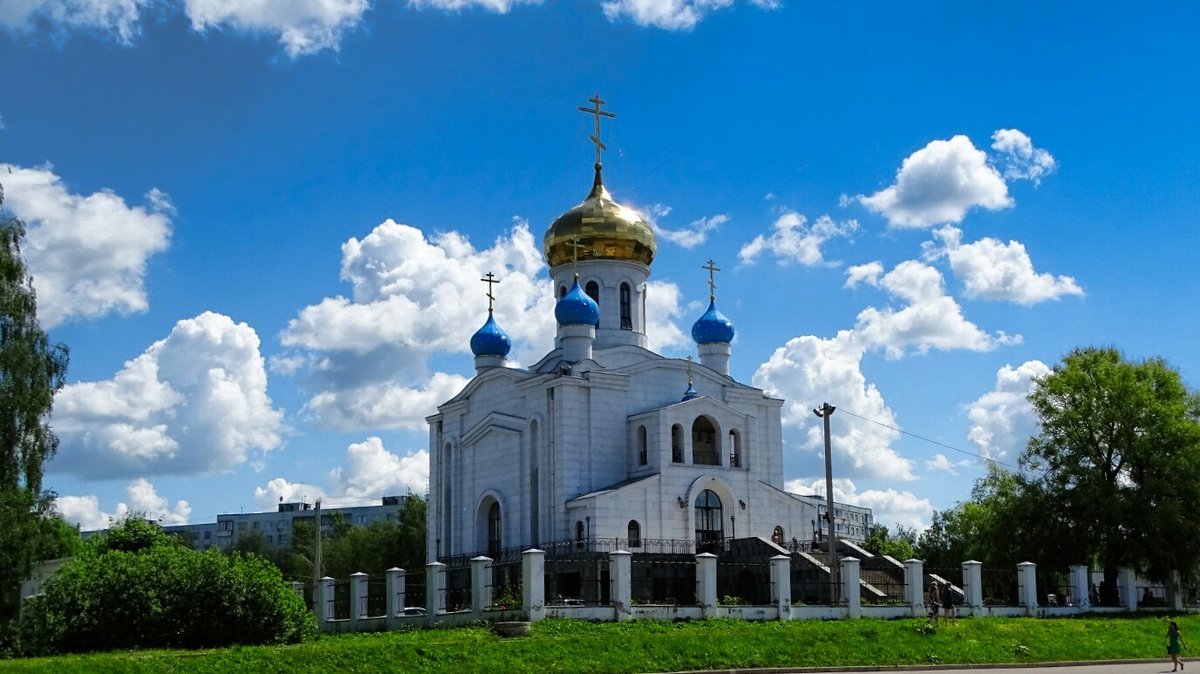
{"points": [[710, 521]]}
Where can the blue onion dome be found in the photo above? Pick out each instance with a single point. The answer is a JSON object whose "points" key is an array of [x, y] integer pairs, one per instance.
{"points": [[490, 340], [712, 326], [690, 393], [576, 308]]}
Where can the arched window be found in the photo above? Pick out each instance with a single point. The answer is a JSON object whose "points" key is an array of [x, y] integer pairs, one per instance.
{"points": [[735, 450], [777, 536], [643, 450], [562, 291], [593, 291], [710, 521], [494, 531], [704, 443], [635, 534], [626, 310], [676, 444]]}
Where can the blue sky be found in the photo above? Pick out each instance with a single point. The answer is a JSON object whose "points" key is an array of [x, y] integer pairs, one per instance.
{"points": [[259, 225]]}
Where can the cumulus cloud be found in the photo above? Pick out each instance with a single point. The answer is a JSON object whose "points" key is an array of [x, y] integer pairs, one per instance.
{"points": [[807, 371], [497, 6], [302, 26], [940, 463], [792, 239], [369, 472], [694, 234], [662, 311], [142, 499], [888, 506], [120, 19], [1020, 159], [991, 269], [868, 273], [384, 404], [195, 402], [938, 184], [87, 254], [1002, 419]]}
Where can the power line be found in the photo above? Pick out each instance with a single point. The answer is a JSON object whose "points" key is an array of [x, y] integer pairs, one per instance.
{"points": [[931, 441]]}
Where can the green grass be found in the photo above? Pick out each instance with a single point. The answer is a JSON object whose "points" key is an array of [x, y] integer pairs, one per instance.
{"points": [[579, 647]]}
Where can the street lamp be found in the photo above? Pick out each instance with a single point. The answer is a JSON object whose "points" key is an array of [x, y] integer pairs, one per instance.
{"points": [[825, 412]]}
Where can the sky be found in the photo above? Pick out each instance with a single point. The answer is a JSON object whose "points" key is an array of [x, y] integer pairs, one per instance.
{"points": [[259, 225]]}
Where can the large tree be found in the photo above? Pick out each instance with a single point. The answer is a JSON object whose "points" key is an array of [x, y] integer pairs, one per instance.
{"points": [[31, 371], [1116, 464]]}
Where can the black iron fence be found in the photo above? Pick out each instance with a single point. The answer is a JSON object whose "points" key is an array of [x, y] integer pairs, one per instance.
{"points": [[744, 582], [663, 580]]}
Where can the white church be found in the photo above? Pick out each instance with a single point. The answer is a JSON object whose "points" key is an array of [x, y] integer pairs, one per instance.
{"points": [[603, 439]]}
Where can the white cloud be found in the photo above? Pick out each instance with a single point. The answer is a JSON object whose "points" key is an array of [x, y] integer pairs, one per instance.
{"points": [[1002, 419], [993, 270], [195, 402], [119, 18], [497, 6], [672, 14], [303, 26], [868, 273], [938, 184], [662, 311], [888, 506], [279, 490], [793, 240], [930, 320], [87, 254], [694, 234], [384, 404], [142, 498], [1021, 160], [368, 473], [808, 371], [940, 463]]}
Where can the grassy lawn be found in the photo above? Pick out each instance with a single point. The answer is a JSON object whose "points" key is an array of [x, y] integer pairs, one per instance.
{"points": [[573, 646]]}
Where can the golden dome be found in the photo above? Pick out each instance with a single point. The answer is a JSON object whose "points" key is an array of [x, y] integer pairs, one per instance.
{"points": [[600, 229]]}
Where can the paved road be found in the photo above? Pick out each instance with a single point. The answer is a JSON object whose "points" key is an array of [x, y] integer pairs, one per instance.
{"points": [[1161, 667]]}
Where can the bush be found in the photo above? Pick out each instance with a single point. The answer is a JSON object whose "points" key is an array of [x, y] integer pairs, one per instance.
{"points": [[136, 588]]}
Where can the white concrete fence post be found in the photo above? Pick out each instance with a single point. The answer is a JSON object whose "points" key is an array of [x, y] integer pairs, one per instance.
{"points": [[298, 588], [481, 589], [851, 589], [914, 586], [435, 591], [323, 601], [781, 585], [1174, 591], [533, 584], [1079, 586], [973, 586], [1127, 588], [358, 599], [706, 583], [1027, 586], [620, 583], [394, 579]]}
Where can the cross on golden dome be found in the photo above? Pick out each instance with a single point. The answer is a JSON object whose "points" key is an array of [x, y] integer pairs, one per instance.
{"points": [[596, 101]]}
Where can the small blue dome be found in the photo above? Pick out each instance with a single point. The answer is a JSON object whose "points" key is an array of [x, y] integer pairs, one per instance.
{"points": [[490, 340], [712, 326], [690, 393], [576, 308]]}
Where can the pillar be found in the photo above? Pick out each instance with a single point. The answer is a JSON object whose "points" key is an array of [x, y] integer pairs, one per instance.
{"points": [[1079, 586], [1027, 586], [620, 583], [533, 584], [973, 585], [1174, 591], [914, 586], [435, 590], [706, 583], [781, 585], [481, 589], [358, 598], [1127, 587], [394, 579], [298, 588], [850, 587], [323, 601]]}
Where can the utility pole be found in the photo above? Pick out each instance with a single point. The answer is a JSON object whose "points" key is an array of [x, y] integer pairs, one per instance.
{"points": [[317, 549], [825, 412]]}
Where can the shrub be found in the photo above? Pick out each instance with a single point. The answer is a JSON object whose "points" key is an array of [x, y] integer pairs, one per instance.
{"points": [[138, 589]]}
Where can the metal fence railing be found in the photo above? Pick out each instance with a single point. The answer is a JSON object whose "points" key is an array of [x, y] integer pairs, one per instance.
{"points": [[663, 579], [999, 587], [744, 582]]}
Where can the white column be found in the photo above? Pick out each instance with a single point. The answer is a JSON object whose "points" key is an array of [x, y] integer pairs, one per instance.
{"points": [[715, 355], [1079, 586], [394, 580], [481, 589], [323, 601], [706, 583], [914, 586], [358, 598], [435, 590], [781, 585], [533, 584], [620, 583], [851, 589], [1027, 586], [1127, 586], [973, 585], [298, 588], [1174, 591]]}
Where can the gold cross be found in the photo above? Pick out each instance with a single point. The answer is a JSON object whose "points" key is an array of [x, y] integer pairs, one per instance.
{"points": [[689, 370], [598, 113], [712, 286], [490, 279], [575, 246]]}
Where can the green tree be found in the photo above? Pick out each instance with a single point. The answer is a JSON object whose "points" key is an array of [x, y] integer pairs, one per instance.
{"points": [[1117, 462], [32, 370], [898, 546]]}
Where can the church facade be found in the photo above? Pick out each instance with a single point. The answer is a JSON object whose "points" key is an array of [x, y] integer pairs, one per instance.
{"points": [[603, 438]]}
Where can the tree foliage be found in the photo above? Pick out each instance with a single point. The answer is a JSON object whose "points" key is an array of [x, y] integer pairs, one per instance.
{"points": [[898, 546], [32, 370], [137, 587], [1116, 465]]}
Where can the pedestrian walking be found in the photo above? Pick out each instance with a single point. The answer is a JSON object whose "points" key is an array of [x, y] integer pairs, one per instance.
{"points": [[1174, 645], [948, 611], [934, 601]]}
